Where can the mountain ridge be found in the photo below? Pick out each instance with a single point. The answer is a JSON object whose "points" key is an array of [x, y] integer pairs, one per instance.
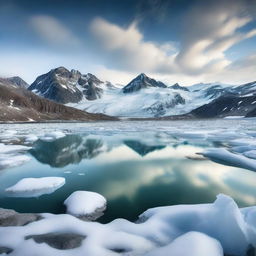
{"points": [[143, 97], [19, 104]]}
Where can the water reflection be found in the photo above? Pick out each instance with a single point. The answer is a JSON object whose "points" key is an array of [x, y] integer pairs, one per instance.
{"points": [[140, 147], [70, 149], [133, 174]]}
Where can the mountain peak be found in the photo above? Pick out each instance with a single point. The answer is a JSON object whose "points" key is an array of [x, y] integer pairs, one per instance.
{"points": [[18, 81], [61, 68], [14, 81], [142, 75], [141, 82], [64, 86], [176, 86]]}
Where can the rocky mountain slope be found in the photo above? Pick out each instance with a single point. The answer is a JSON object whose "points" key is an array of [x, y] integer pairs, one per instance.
{"points": [[15, 81], [236, 101], [19, 104], [142, 97], [64, 86]]}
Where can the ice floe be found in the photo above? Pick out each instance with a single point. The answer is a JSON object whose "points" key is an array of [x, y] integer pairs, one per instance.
{"points": [[4, 149], [35, 187], [53, 136], [85, 204], [12, 155], [197, 230], [223, 156], [31, 138]]}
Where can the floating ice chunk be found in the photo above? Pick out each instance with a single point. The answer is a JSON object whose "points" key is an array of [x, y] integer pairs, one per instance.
{"points": [[53, 136], [4, 149], [223, 156], [8, 133], [194, 134], [192, 244], [233, 117], [34, 187], [11, 160], [31, 138], [10, 155], [85, 204]]}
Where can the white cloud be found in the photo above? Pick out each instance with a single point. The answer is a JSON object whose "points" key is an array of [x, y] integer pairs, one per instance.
{"points": [[239, 72], [210, 29], [128, 48], [114, 76], [53, 31]]}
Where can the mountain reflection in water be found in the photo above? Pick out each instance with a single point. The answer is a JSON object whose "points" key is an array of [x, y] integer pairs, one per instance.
{"points": [[70, 149], [133, 171]]}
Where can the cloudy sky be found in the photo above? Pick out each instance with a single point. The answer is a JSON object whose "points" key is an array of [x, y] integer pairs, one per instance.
{"points": [[185, 41]]}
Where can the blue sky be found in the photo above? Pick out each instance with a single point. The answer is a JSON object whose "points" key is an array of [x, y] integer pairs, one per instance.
{"points": [[174, 41]]}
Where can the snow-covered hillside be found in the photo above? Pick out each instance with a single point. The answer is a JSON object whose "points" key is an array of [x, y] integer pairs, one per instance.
{"points": [[142, 97], [150, 101]]}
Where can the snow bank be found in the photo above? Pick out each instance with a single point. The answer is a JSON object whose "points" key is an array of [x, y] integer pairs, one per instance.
{"points": [[34, 187], [192, 244], [85, 204], [194, 230]]}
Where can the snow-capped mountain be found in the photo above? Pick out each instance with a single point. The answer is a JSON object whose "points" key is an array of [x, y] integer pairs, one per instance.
{"points": [[64, 86], [14, 81], [143, 96], [146, 97], [19, 104], [18, 81], [178, 87], [141, 82], [235, 101], [90, 86]]}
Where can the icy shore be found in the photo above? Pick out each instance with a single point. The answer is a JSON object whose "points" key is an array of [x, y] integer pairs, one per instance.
{"points": [[195, 230]]}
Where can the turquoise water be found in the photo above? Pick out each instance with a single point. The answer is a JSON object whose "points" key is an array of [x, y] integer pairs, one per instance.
{"points": [[133, 170]]}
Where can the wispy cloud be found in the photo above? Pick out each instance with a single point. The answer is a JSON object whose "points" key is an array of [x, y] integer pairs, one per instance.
{"points": [[128, 48], [53, 31], [210, 29]]}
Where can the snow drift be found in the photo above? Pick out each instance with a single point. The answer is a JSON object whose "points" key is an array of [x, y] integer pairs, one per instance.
{"points": [[197, 230]]}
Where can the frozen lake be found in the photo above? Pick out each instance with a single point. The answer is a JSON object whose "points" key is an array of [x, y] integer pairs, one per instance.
{"points": [[134, 165]]}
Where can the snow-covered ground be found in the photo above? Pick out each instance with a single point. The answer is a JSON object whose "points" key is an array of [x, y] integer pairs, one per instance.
{"points": [[147, 102], [198, 230]]}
